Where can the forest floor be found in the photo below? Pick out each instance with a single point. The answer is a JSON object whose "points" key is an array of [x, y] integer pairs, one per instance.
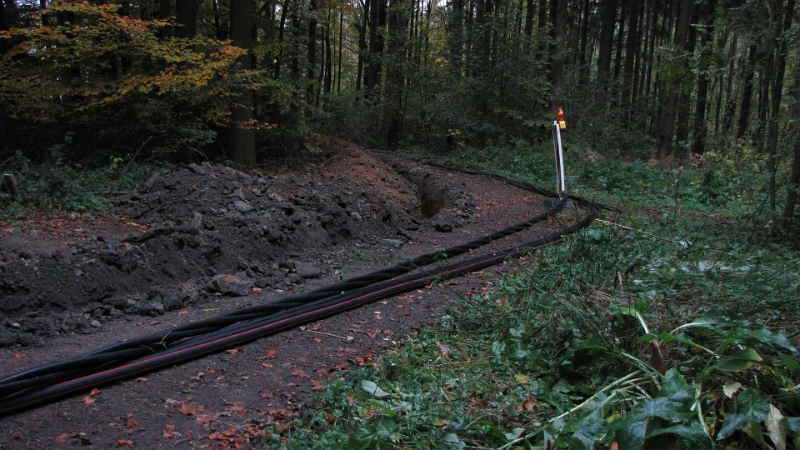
{"points": [[210, 239]]}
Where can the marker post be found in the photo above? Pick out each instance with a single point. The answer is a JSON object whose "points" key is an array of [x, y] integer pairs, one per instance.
{"points": [[561, 187]]}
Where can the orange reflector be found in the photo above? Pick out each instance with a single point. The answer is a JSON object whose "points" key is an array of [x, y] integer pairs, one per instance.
{"points": [[561, 123]]}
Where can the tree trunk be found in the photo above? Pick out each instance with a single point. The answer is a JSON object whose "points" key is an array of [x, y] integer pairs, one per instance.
{"points": [[377, 20], [312, 52], [604, 58], [764, 83], [328, 57], [630, 51], [582, 63], [186, 12], [650, 54], [320, 86], [4, 45], [684, 105], [642, 36], [777, 93], [165, 12], [341, 48], [220, 33], [456, 37], [620, 39], [242, 135], [529, 10], [747, 92], [730, 102], [793, 184], [394, 70], [631, 44], [558, 57], [281, 30], [671, 106], [699, 135], [362, 44]]}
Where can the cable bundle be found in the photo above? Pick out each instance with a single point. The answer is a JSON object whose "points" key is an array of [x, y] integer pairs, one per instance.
{"points": [[127, 359]]}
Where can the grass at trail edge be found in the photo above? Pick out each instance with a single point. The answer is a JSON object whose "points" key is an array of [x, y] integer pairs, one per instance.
{"points": [[670, 326]]}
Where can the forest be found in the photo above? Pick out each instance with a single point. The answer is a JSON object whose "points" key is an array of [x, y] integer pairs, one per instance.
{"points": [[246, 81], [159, 145]]}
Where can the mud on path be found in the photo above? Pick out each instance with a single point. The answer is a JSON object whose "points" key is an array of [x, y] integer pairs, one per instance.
{"points": [[208, 240]]}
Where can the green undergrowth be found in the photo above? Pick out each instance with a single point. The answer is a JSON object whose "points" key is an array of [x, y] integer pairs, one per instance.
{"points": [[645, 331], [673, 326], [60, 186], [735, 182]]}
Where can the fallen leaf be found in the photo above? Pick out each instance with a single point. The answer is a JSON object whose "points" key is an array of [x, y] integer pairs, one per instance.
{"points": [[87, 400], [216, 436], [731, 388], [775, 428], [445, 350], [342, 365], [124, 443], [18, 356], [235, 406], [317, 386], [240, 442], [530, 404], [272, 354], [300, 373], [234, 351], [204, 422], [141, 379], [657, 357], [188, 410], [62, 437], [170, 432], [268, 366], [95, 391], [183, 313]]}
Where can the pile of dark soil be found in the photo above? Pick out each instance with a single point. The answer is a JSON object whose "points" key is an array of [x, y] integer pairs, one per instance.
{"points": [[207, 230], [208, 240]]}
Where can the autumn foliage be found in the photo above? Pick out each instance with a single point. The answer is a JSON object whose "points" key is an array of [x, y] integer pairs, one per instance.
{"points": [[110, 78]]}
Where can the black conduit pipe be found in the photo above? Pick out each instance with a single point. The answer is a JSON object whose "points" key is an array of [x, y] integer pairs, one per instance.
{"points": [[26, 389], [171, 336]]}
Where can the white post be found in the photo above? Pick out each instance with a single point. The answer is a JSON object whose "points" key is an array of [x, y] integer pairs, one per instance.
{"points": [[559, 150]]}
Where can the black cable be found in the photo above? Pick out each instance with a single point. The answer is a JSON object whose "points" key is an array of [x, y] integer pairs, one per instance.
{"points": [[182, 332], [32, 387]]}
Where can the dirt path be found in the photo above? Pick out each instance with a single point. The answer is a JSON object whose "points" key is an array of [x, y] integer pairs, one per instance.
{"points": [[208, 240]]}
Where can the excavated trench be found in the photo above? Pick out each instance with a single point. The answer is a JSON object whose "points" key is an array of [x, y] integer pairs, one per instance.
{"points": [[433, 197], [443, 203]]}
